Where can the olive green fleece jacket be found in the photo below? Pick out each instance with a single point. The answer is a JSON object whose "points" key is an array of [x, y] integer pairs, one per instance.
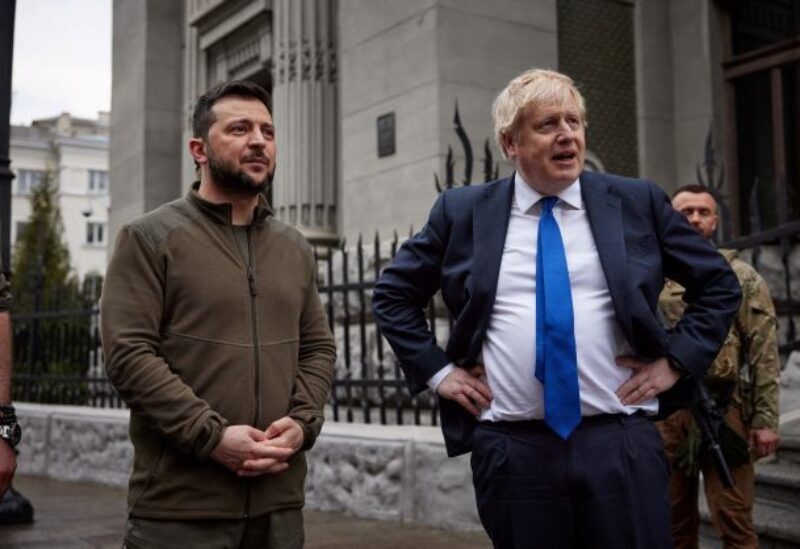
{"points": [[195, 341]]}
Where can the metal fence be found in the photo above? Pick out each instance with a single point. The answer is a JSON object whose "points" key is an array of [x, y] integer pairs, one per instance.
{"points": [[58, 357], [368, 385]]}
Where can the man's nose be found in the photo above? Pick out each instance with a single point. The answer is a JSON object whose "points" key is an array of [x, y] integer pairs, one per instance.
{"points": [[257, 139], [695, 219], [565, 131]]}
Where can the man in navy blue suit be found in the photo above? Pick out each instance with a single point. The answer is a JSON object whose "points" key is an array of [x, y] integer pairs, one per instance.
{"points": [[557, 357]]}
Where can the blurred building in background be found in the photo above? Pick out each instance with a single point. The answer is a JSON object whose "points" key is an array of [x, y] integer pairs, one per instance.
{"points": [[73, 152]]}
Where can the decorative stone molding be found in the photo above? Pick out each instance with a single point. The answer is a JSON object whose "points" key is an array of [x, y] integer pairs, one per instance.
{"points": [[75, 443], [377, 471], [304, 77], [240, 56], [197, 9]]}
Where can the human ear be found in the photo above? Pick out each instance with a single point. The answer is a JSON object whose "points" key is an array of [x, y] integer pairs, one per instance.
{"points": [[197, 148]]}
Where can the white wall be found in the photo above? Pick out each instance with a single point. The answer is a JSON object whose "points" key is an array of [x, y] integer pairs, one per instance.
{"points": [[76, 201]]}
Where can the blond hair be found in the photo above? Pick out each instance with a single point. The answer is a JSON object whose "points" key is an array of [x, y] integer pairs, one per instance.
{"points": [[532, 87]]}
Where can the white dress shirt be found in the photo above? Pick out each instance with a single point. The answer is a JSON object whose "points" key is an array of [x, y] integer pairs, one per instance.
{"points": [[509, 349]]}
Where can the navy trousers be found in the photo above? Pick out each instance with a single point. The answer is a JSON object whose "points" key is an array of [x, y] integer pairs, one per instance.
{"points": [[603, 488]]}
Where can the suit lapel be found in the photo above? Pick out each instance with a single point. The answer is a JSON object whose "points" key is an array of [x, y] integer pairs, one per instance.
{"points": [[605, 218], [490, 217]]}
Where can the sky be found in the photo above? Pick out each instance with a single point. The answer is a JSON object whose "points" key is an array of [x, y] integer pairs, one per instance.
{"points": [[62, 59]]}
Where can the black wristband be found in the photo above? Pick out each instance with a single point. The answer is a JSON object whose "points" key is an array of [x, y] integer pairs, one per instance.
{"points": [[8, 415]]}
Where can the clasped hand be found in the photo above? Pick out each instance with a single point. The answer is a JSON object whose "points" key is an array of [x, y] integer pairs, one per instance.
{"points": [[251, 452]]}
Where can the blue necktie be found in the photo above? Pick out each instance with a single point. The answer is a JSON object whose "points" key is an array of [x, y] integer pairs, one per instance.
{"points": [[556, 359]]}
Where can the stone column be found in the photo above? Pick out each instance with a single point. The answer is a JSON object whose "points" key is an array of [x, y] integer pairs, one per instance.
{"points": [[146, 116], [304, 94]]}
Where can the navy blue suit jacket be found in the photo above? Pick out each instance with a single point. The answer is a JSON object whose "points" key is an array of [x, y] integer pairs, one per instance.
{"points": [[640, 239]]}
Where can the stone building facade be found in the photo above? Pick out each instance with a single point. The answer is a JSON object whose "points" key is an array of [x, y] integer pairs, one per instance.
{"points": [[365, 91]]}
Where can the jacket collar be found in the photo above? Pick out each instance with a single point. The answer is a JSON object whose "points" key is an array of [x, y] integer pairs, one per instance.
{"points": [[221, 213], [526, 196]]}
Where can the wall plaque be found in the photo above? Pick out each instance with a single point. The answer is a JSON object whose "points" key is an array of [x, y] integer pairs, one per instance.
{"points": [[386, 135]]}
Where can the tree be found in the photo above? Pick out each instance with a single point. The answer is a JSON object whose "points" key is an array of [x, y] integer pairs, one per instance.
{"points": [[42, 272], [51, 327]]}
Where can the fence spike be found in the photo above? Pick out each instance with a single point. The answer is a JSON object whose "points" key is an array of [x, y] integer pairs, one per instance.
{"points": [[449, 164], [466, 145]]}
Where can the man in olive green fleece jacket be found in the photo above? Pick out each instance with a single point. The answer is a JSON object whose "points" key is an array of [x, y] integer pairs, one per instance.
{"points": [[215, 336]]}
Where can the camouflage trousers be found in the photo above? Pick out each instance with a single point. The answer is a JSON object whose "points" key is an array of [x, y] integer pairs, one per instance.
{"points": [[731, 510]]}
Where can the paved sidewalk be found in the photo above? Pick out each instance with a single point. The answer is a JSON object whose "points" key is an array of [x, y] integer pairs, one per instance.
{"points": [[81, 516]]}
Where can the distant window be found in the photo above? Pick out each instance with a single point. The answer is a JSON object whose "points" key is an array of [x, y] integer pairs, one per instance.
{"points": [[29, 180], [95, 233], [98, 182], [21, 226]]}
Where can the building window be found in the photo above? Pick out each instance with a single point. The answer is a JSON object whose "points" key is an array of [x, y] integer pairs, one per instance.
{"points": [[29, 180], [762, 161], [21, 226], [98, 182], [95, 233]]}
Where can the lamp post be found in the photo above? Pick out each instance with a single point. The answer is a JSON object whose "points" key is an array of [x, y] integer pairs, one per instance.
{"points": [[7, 11]]}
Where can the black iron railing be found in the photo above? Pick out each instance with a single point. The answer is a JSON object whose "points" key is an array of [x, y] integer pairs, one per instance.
{"points": [[368, 385], [58, 356], [58, 359]]}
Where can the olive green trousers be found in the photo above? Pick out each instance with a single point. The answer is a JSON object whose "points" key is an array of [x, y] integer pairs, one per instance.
{"points": [[277, 530]]}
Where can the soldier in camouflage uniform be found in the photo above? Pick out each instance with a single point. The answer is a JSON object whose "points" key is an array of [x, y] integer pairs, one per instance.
{"points": [[744, 383]]}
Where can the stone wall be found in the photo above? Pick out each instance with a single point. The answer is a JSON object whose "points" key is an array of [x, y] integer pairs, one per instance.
{"points": [[385, 472]]}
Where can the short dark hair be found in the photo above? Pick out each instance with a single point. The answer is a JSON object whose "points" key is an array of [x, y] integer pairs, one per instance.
{"points": [[203, 117], [694, 188]]}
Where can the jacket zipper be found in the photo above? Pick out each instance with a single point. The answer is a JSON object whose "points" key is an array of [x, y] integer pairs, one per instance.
{"points": [[251, 280], [251, 283]]}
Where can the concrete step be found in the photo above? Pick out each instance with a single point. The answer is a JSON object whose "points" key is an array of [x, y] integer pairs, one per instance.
{"points": [[777, 526], [789, 449], [778, 482]]}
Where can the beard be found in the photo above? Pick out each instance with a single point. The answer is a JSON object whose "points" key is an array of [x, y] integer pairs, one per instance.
{"points": [[237, 181]]}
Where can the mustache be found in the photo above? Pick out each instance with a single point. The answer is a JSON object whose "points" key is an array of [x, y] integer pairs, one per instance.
{"points": [[256, 156]]}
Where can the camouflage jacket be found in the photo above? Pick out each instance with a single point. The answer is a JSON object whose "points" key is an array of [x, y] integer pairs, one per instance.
{"points": [[750, 353]]}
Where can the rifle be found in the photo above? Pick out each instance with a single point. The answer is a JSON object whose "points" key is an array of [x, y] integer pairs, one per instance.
{"points": [[709, 419]]}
